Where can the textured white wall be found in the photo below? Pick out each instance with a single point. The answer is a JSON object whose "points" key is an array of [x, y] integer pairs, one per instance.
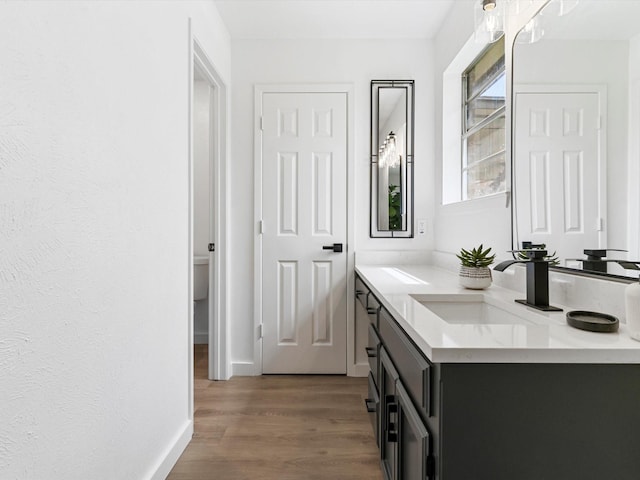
{"points": [[93, 234], [322, 61]]}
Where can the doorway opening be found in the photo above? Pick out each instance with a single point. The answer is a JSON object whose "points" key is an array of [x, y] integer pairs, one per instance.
{"points": [[207, 200]]}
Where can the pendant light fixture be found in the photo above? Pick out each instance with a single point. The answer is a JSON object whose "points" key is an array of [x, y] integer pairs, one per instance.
{"points": [[489, 20], [488, 5]]}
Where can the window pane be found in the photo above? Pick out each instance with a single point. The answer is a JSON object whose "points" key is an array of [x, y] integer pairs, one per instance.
{"points": [[486, 69], [490, 100], [486, 178], [486, 142]]}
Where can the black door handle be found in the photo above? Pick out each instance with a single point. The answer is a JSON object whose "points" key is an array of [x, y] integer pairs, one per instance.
{"points": [[336, 247]]}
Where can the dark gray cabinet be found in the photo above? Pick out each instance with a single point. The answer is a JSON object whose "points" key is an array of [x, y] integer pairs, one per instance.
{"points": [[413, 459], [404, 438], [388, 420], [399, 381], [515, 421]]}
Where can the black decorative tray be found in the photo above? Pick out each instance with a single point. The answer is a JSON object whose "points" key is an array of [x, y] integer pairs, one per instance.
{"points": [[592, 321]]}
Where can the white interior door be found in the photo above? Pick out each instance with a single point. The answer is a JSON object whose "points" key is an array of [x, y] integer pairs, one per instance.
{"points": [[557, 171], [304, 145]]}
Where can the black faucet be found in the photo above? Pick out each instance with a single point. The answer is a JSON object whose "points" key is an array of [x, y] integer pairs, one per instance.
{"points": [[596, 260], [537, 279]]}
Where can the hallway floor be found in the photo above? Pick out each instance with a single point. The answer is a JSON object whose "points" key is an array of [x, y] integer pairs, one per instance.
{"points": [[279, 427]]}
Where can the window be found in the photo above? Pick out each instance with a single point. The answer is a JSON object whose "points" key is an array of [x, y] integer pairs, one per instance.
{"points": [[483, 130]]}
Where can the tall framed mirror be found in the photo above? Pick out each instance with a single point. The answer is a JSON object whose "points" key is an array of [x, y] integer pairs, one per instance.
{"points": [[391, 180], [576, 135]]}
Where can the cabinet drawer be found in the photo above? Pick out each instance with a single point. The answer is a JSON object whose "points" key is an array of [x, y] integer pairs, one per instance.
{"points": [[373, 350], [373, 309], [362, 292], [373, 407], [412, 366], [367, 300]]}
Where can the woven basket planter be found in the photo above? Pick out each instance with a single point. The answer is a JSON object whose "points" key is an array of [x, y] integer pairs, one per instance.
{"points": [[475, 278]]}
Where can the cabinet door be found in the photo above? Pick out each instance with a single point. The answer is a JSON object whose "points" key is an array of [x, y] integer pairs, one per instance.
{"points": [[373, 408], [361, 324], [388, 429], [373, 350], [414, 462]]}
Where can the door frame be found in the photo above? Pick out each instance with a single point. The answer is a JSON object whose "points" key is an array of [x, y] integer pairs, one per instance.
{"points": [[259, 91], [219, 362], [601, 91]]}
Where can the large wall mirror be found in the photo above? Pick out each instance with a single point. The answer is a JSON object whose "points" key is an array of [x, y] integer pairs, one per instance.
{"points": [[392, 113], [576, 134]]}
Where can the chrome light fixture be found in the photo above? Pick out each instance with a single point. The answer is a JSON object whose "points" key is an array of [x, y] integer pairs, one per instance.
{"points": [[388, 153]]}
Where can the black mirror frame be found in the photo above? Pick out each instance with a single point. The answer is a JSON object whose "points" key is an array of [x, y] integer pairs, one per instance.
{"points": [[408, 174]]}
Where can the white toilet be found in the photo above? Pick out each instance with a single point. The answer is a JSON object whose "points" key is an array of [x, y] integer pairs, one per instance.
{"points": [[200, 277]]}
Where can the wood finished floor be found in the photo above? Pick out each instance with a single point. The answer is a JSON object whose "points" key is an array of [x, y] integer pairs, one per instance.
{"points": [[284, 427]]}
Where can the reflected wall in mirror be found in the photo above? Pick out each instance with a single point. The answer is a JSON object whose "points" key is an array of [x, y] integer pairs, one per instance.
{"points": [[576, 134], [391, 186]]}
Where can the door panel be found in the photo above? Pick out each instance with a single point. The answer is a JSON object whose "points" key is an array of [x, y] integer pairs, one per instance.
{"points": [[557, 171], [304, 209], [388, 428], [413, 440]]}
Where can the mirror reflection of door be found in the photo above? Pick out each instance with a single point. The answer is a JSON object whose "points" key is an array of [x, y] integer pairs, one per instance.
{"points": [[595, 46], [392, 158]]}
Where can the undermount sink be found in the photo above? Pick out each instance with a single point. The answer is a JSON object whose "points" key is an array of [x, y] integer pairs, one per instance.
{"points": [[472, 309]]}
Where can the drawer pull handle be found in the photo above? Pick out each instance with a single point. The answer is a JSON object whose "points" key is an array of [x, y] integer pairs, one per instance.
{"points": [[372, 311], [392, 433], [370, 404], [371, 352]]}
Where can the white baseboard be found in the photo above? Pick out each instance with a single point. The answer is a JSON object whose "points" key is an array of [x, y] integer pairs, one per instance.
{"points": [[171, 456], [247, 369], [243, 369], [359, 370], [200, 338]]}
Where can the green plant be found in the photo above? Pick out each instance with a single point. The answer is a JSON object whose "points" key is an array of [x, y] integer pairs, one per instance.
{"points": [[395, 218], [476, 258]]}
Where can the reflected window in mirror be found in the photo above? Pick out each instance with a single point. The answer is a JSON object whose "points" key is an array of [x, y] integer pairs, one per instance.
{"points": [[483, 134], [391, 185]]}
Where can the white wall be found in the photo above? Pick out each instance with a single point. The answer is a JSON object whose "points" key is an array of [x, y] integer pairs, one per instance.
{"points": [[94, 250], [634, 149], [201, 167], [322, 61], [201, 199], [486, 220]]}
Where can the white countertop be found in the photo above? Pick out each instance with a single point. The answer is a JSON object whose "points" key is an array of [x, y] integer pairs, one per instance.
{"points": [[549, 340]]}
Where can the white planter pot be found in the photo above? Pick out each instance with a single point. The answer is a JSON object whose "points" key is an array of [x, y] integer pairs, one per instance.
{"points": [[475, 278]]}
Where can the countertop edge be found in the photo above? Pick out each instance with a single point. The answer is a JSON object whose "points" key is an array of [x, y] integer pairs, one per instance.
{"points": [[627, 354]]}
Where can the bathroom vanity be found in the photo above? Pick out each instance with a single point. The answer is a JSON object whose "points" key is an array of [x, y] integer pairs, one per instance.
{"points": [[471, 385]]}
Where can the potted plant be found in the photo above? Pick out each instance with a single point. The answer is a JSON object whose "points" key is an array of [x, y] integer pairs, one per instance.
{"points": [[474, 269]]}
